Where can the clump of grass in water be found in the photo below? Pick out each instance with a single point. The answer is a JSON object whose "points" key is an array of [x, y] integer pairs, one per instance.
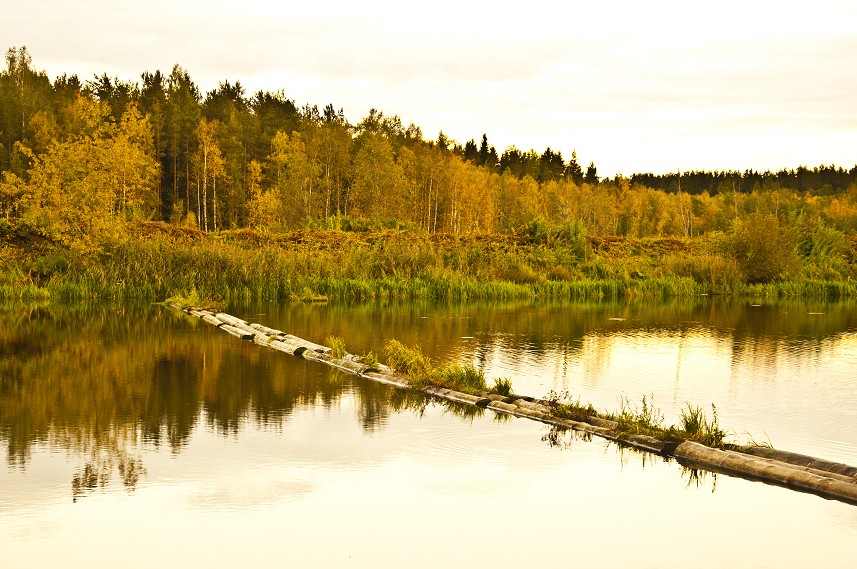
{"points": [[464, 378], [337, 347], [646, 419], [503, 386], [409, 361], [370, 360], [696, 426], [564, 407], [413, 363], [308, 295], [196, 299]]}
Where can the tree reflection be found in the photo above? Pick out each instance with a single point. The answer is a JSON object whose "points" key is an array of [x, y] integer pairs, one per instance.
{"points": [[104, 383]]}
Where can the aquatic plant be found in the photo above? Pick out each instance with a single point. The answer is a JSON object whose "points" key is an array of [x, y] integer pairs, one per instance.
{"points": [[564, 407], [646, 419], [502, 386], [409, 361], [337, 347], [696, 426], [419, 369], [194, 298]]}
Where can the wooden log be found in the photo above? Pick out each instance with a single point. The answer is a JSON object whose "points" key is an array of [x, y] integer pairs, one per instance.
{"points": [[766, 470], [493, 396], [284, 346], [266, 330], [531, 406], [801, 460], [599, 422], [387, 378], [237, 332], [346, 364], [212, 320], [262, 339], [503, 407], [650, 444], [229, 319], [237, 323], [456, 396]]}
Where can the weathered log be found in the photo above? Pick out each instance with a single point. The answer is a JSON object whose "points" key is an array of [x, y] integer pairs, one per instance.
{"points": [[458, 396], [284, 345], [238, 323], [802, 460], [266, 330], [212, 320], [522, 402], [388, 378], [766, 470], [262, 339], [347, 363], [237, 332], [650, 444], [599, 422], [229, 319], [503, 407]]}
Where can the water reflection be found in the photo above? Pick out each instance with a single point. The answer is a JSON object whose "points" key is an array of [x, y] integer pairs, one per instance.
{"points": [[104, 384], [781, 372]]}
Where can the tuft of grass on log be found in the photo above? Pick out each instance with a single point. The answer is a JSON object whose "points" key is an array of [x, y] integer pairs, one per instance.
{"points": [[411, 362]]}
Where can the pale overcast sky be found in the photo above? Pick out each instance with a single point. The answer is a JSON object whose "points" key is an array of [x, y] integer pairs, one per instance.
{"points": [[633, 86]]}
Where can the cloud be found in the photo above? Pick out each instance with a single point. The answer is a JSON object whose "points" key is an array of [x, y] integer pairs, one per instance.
{"points": [[571, 75]]}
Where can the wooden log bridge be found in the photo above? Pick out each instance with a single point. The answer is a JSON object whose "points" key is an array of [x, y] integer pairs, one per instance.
{"points": [[823, 478]]}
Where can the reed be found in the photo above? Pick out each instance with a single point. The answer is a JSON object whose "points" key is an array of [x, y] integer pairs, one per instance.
{"points": [[371, 361], [337, 347], [503, 386], [411, 362], [311, 267], [696, 426]]}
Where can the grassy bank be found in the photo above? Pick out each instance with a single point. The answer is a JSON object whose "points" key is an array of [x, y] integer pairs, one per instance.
{"points": [[155, 261]]}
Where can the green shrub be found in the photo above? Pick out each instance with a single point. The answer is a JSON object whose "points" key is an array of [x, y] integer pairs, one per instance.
{"points": [[762, 248]]}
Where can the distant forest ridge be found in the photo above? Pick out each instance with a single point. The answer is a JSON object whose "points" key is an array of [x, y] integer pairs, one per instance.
{"points": [[75, 153]]}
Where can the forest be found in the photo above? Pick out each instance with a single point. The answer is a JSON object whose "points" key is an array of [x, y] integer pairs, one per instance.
{"points": [[83, 160]]}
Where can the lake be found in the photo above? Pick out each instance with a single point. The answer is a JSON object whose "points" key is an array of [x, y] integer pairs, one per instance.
{"points": [[137, 436]]}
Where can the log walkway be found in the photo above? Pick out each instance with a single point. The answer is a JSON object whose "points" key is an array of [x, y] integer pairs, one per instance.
{"points": [[823, 478]]}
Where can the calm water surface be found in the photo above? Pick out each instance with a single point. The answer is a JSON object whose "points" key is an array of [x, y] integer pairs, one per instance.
{"points": [[140, 437]]}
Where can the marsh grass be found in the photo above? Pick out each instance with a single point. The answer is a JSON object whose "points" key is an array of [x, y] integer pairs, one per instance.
{"points": [[194, 298], [696, 426], [405, 360], [315, 266], [370, 360], [337, 347], [646, 418], [503, 386], [564, 407], [411, 362]]}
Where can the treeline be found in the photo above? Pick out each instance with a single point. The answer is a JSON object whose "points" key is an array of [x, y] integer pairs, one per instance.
{"points": [[820, 181], [78, 158]]}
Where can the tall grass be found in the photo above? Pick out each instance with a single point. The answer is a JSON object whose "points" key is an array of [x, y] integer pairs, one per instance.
{"points": [[244, 266], [412, 362], [696, 426]]}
